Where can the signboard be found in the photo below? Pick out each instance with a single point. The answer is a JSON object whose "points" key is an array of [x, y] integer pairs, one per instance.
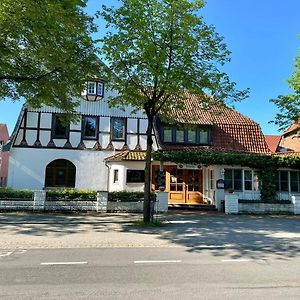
{"points": [[189, 166], [220, 184]]}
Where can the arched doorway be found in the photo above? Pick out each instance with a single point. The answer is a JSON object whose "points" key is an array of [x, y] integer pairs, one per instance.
{"points": [[60, 173]]}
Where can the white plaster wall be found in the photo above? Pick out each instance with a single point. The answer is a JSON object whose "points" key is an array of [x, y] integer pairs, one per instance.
{"points": [[45, 137], [75, 126], [46, 120], [132, 125], [74, 138], [104, 124], [31, 136], [132, 141], [19, 137], [59, 142], [32, 119], [104, 140], [143, 125], [27, 167], [122, 167]]}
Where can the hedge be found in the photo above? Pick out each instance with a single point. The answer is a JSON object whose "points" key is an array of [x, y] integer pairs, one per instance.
{"points": [[125, 196], [7, 193], [70, 195]]}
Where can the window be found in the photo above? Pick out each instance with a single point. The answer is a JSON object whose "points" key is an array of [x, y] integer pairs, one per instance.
{"points": [[59, 128], [233, 179], [118, 129], [116, 176], [294, 176], [95, 88], [91, 88], [100, 89], [192, 136], [60, 173], [248, 180], [204, 136], [135, 176], [167, 134], [288, 181], [89, 127], [180, 135], [212, 179]]}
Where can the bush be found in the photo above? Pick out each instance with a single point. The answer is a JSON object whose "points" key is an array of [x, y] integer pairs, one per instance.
{"points": [[70, 195], [7, 193], [126, 196]]}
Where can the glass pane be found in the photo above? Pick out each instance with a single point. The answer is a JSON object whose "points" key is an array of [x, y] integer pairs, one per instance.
{"points": [[100, 88], [294, 186], [91, 88], [180, 187], [228, 184], [90, 125], [228, 174], [237, 185], [179, 135], [284, 175], [167, 134], [135, 176], [118, 129], [60, 130], [284, 186], [248, 185], [248, 175], [237, 174], [203, 136], [294, 176], [191, 136]]}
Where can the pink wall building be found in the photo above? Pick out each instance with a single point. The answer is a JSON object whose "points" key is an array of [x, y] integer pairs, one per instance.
{"points": [[4, 156]]}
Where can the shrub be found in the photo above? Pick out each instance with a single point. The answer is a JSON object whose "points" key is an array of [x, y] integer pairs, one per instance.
{"points": [[7, 193], [125, 196], [70, 195]]}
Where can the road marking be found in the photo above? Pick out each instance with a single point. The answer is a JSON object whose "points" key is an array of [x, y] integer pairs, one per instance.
{"points": [[156, 261], [9, 252], [64, 263], [236, 260]]}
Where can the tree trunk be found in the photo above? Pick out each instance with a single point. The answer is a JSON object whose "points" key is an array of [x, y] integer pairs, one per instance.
{"points": [[147, 191]]}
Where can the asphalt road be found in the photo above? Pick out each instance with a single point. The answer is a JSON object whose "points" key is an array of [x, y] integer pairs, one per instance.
{"points": [[146, 273]]}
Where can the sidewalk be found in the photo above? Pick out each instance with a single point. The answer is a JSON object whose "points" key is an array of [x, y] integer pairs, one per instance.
{"points": [[242, 235]]}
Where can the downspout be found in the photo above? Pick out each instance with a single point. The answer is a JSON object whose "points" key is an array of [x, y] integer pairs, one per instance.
{"points": [[108, 177]]}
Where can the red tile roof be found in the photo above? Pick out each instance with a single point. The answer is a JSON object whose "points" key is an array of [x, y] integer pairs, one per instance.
{"points": [[231, 131], [128, 156], [292, 128], [273, 142]]}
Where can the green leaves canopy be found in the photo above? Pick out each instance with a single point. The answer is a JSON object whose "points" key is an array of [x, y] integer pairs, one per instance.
{"points": [[158, 49], [45, 50], [289, 105]]}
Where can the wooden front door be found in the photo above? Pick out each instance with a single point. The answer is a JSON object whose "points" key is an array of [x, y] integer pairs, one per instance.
{"points": [[185, 186]]}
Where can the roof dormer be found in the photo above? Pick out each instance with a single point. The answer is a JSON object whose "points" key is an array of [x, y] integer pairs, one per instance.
{"points": [[94, 90]]}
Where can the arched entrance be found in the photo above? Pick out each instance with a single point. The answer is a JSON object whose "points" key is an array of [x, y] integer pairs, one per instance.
{"points": [[60, 173]]}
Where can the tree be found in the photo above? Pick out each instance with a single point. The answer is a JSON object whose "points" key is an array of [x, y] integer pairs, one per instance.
{"points": [[45, 51], [289, 105], [155, 52]]}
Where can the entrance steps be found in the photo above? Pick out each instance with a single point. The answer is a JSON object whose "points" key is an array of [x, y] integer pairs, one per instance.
{"points": [[193, 207]]}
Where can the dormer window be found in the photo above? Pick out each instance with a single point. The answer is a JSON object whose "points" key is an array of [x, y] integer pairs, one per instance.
{"points": [[94, 90]]}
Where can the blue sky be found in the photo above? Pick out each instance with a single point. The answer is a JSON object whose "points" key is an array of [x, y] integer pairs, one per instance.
{"points": [[263, 38]]}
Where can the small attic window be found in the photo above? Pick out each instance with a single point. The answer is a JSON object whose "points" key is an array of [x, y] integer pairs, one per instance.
{"points": [[94, 90]]}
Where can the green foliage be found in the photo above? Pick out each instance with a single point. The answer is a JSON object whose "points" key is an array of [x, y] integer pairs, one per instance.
{"points": [[7, 193], [266, 165], [125, 196], [289, 105], [70, 195], [157, 51], [45, 50]]}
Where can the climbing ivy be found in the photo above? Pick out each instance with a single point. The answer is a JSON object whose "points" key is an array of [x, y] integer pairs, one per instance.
{"points": [[266, 165]]}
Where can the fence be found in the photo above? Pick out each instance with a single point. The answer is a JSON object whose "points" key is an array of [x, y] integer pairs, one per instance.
{"points": [[97, 202]]}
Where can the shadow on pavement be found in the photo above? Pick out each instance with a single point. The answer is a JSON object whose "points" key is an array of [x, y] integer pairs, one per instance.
{"points": [[236, 236]]}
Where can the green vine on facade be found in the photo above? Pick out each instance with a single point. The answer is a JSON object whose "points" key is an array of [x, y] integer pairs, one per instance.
{"points": [[265, 165]]}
